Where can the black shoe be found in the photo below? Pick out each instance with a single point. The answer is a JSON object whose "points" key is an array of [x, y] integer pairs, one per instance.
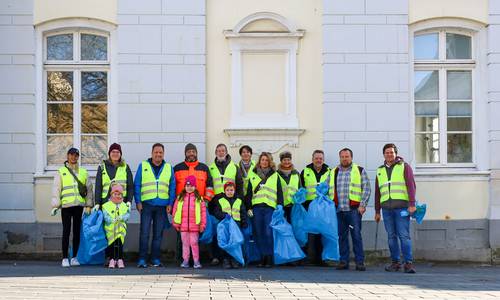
{"points": [[360, 267], [409, 268], [342, 266], [235, 264], [330, 263], [226, 264], [262, 262], [215, 262], [268, 262], [395, 266]]}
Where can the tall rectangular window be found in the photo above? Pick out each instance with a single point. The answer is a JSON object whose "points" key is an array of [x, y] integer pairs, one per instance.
{"points": [[76, 71]]}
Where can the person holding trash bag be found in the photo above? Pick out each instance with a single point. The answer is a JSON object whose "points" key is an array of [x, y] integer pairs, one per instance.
{"points": [[264, 193], [229, 204], [154, 196], [190, 219], [349, 187], [292, 179], [116, 214], [395, 192], [312, 175], [71, 192]]}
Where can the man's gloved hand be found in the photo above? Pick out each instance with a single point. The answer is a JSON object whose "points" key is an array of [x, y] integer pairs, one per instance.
{"points": [[96, 207], [250, 213], [53, 212], [87, 210]]}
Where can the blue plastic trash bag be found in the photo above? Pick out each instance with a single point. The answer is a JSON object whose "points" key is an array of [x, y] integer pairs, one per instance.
{"points": [[251, 251], [286, 248], [321, 219], [207, 235], [230, 238], [92, 239], [418, 215], [298, 216]]}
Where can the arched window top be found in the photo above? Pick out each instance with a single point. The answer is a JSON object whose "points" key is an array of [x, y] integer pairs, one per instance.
{"points": [[264, 23]]}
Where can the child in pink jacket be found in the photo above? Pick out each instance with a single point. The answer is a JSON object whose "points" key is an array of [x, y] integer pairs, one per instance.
{"points": [[190, 219]]}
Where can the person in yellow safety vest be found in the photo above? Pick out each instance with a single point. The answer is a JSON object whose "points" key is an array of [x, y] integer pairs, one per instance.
{"points": [[395, 191], [154, 194], [67, 196], [114, 169], [116, 215], [312, 175], [349, 187], [264, 193], [228, 203], [291, 179], [222, 170], [245, 165]]}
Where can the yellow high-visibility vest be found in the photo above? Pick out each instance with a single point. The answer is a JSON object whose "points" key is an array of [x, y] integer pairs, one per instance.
{"points": [[152, 188], [70, 196], [394, 188]]}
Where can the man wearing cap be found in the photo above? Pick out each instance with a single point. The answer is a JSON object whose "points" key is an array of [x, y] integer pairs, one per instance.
{"points": [[154, 196], [71, 192], [191, 166], [291, 177]]}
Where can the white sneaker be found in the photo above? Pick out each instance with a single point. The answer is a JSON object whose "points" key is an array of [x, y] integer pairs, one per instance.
{"points": [[65, 263], [74, 262]]}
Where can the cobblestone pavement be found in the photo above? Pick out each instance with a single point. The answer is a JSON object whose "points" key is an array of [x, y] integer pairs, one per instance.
{"points": [[47, 280]]}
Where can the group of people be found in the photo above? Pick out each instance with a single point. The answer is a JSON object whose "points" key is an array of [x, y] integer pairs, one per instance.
{"points": [[248, 191]]}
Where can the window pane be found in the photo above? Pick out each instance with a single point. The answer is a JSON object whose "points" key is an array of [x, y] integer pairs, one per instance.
{"points": [[426, 46], [94, 86], [427, 108], [459, 85], [94, 47], [426, 124], [59, 86], [460, 109], [458, 46], [427, 148], [426, 85], [94, 118], [459, 148], [57, 147], [59, 118], [60, 47], [94, 149], [459, 124]]}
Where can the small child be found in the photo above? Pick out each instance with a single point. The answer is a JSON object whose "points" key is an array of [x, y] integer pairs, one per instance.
{"points": [[190, 219], [228, 204], [116, 214]]}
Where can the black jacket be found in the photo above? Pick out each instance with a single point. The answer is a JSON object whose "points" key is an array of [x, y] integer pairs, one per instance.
{"points": [[323, 170], [219, 214], [251, 189], [238, 180], [111, 170]]}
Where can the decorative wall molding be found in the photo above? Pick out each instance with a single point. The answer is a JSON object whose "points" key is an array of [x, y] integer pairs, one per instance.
{"points": [[270, 140]]}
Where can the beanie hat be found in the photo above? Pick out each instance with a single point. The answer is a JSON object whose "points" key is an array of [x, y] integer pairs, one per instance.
{"points": [[191, 180], [115, 146], [190, 147], [285, 154], [229, 183]]}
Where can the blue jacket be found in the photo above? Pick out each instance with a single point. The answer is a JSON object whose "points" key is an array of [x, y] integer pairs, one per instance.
{"points": [[157, 201]]}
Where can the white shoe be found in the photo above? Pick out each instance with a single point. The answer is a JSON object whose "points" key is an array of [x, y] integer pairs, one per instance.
{"points": [[74, 262], [65, 263]]}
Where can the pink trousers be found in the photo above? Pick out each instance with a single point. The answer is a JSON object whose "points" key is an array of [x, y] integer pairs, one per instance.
{"points": [[190, 239]]}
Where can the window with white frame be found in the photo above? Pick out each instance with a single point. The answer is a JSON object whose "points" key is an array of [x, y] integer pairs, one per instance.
{"points": [[444, 68], [75, 80]]}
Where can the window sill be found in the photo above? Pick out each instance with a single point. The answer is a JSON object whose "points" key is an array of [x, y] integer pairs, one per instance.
{"points": [[451, 174]]}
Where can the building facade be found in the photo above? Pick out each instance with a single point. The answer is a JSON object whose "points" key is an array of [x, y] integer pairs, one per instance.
{"points": [[278, 75]]}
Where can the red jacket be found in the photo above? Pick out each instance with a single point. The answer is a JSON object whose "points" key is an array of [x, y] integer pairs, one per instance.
{"points": [[188, 221], [199, 170]]}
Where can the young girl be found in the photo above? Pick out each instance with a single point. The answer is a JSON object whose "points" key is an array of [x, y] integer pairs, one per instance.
{"points": [[190, 219], [116, 215]]}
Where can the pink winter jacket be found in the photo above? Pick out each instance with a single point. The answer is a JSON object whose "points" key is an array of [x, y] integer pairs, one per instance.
{"points": [[188, 221]]}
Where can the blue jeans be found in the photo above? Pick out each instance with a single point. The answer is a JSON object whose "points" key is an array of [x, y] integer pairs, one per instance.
{"points": [[398, 227], [263, 232], [158, 216], [350, 221]]}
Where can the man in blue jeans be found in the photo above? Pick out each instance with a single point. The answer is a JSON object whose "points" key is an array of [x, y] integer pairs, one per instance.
{"points": [[350, 189], [154, 195], [395, 192]]}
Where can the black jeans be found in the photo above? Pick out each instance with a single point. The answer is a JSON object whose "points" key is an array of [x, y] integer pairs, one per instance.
{"points": [[67, 214], [115, 250]]}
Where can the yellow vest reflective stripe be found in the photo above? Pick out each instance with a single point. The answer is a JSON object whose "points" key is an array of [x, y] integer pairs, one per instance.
{"points": [[120, 177], [151, 187], [267, 193], [355, 191], [311, 183], [291, 188], [197, 211], [394, 188], [70, 196], [220, 179], [246, 179], [118, 229], [233, 211]]}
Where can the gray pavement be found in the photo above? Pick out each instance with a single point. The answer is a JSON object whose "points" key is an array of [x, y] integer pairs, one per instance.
{"points": [[47, 280]]}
